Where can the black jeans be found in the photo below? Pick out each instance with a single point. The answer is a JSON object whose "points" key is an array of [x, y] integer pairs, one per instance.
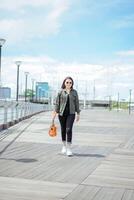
{"points": [[66, 122]]}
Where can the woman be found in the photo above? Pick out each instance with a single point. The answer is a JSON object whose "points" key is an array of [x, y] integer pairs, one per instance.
{"points": [[67, 105]]}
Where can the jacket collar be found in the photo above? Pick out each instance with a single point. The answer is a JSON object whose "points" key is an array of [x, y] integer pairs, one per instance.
{"points": [[64, 90]]}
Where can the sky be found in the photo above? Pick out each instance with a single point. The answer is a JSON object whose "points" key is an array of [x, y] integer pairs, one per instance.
{"points": [[90, 40]]}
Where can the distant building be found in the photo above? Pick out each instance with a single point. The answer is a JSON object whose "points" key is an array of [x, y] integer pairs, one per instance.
{"points": [[5, 92], [100, 103], [42, 90]]}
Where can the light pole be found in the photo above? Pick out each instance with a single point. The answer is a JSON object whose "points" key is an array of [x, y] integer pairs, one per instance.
{"points": [[130, 94], [33, 89], [110, 103], [94, 90], [118, 102], [2, 41], [26, 76], [40, 93], [18, 63]]}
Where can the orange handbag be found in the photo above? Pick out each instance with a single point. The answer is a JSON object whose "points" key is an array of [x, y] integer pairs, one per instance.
{"points": [[52, 130]]}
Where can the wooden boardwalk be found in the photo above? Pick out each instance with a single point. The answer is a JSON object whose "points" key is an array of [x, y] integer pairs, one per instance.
{"points": [[32, 168]]}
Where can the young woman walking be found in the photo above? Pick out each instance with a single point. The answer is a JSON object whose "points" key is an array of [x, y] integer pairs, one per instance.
{"points": [[67, 108]]}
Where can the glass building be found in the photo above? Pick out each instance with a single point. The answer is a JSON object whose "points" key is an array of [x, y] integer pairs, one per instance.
{"points": [[5, 92], [42, 90]]}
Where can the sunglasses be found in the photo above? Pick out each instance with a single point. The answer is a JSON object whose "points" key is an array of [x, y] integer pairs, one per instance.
{"points": [[68, 82]]}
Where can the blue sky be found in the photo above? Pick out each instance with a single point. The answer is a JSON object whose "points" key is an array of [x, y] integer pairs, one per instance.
{"points": [[84, 32]]}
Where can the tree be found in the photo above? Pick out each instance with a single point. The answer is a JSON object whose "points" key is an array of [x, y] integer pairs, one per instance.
{"points": [[29, 93]]}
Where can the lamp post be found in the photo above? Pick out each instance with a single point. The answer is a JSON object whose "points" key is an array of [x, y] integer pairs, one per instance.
{"points": [[118, 102], [26, 76], [33, 89], [94, 90], [130, 95], [2, 41], [40, 93], [18, 63], [110, 103]]}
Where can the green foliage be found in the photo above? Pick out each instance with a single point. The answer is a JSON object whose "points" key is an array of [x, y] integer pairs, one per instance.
{"points": [[29, 93], [121, 105]]}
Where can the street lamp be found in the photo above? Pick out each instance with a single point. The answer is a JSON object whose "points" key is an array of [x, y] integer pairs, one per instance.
{"points": [[118, 102], [94, 90], [18, 63], [2, 41], [40, 93], [130, 96], [110, 103], [33, 88], [26, 74]]}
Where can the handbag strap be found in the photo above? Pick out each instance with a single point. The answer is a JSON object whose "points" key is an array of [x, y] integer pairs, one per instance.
{"points": [[52, 121]]}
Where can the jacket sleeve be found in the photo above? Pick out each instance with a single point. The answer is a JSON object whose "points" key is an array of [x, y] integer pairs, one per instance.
{"points": [[57, 103], [77, 106]]}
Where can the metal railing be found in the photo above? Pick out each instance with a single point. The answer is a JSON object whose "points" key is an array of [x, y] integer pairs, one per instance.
{"points": [[12, 112]]}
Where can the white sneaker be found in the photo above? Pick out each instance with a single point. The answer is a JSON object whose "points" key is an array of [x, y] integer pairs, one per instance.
{"points": [[69, 152], [63, 151]]}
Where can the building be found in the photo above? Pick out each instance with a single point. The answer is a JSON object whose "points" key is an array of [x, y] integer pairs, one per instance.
{"points": [[100, 103], [5, 92], [42, 90]]}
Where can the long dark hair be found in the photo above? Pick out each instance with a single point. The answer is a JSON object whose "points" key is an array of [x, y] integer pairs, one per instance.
{"points": [[63, 84]]}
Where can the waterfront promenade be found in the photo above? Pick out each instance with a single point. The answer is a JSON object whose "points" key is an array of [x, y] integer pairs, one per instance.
{"points": [[32, 168]]}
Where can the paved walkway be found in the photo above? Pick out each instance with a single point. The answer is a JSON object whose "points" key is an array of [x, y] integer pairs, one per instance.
{"points": [[32, 168]]}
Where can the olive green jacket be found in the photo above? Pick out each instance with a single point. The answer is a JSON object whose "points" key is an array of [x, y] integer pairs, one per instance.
{"points": [[61, 101]]}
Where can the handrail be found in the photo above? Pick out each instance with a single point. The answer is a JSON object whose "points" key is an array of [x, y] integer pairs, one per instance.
{"points": [[12, 112]]}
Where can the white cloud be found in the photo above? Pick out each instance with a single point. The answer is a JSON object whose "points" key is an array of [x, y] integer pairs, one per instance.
{"points": [[125, 53], [123, 22], [13, 30], [15, 5], [29, 25], [95, 8], [108, 80]]}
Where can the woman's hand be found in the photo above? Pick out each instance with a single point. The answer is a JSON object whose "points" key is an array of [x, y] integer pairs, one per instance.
{"points": [[77, 118]]}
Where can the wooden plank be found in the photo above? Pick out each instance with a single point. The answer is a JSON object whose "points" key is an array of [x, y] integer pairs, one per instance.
{"points": [[15, 188], [83, 193], [107, 181], [128, 195], [109, 194]]}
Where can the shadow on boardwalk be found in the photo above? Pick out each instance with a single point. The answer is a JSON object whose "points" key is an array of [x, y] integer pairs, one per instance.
{"points": [[89, 155]]}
